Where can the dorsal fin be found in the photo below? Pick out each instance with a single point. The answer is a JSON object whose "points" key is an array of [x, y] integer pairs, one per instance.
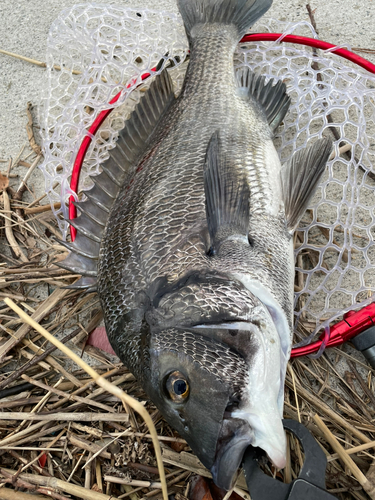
{"points": [[132, 144], [300, 177], [227, 196], [273, 98]]}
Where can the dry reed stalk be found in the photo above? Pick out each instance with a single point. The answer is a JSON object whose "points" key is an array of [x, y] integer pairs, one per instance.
{"points": [[351, 451], [103, 383], [49, 447], [318, 386], [71, 397], [38, 210], [55, 298], [68, 417], [324, 408], [8, 494], [72, 489], [368, 486]]}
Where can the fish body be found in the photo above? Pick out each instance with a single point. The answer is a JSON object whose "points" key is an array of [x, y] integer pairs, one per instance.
{"points": [[194, 263]]}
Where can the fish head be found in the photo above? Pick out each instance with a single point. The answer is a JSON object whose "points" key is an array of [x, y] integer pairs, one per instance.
{"points": [[204, 389]]}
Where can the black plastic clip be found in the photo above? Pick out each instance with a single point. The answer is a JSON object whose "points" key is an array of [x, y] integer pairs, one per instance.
{"points": [[310, 484]]}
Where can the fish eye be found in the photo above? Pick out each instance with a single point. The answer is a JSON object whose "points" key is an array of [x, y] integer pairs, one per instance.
{"points": [[177, 387]]}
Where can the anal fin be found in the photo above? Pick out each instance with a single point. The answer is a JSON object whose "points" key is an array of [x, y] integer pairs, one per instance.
{"points": [[227, 196], [86, 283], [300, 177], [272, 97]]}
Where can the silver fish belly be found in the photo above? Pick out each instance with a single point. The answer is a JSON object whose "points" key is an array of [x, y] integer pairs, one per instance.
{"points": [[195, 263]]}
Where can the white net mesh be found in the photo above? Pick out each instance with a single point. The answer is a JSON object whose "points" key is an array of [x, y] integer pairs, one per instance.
{"points": [[93, 52], [101, 49]]}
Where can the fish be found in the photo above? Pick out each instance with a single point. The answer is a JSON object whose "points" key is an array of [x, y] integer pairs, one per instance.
{"points": [[186, 235]]}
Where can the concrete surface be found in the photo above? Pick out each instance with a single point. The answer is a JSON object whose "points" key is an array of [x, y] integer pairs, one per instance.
{"points": [[25, 25]]}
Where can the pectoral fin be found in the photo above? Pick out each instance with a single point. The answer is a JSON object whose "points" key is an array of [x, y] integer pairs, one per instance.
{"points": [[227, 195], [300, 177]]}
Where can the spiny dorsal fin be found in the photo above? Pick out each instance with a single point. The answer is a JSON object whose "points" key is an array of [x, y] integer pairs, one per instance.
{"points": [[273, 98], [227, 196], [132, 144], [300, 177]]}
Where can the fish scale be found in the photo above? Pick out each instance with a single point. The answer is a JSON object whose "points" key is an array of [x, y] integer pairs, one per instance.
{"points": [[178, 162], [195, 266]]}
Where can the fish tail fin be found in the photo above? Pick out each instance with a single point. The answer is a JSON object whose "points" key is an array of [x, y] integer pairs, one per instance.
{"points": [[241, 13]]}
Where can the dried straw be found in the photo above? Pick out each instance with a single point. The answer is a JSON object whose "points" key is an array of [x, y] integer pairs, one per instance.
{"points": [[102, 382]]}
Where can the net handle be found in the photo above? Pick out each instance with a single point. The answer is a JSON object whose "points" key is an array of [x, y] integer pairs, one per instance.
{"points": [[254, 37]]}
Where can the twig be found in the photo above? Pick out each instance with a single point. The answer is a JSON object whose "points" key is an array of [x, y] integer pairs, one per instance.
{"points": [[148, 436], [49, 446], [51, 228], [9, 494], [47, 430], [35, 202], [30, 132], [25, 432], [103, 448], [133, 482], [308, 396], [312, 18], [76, 466], [29, 172], [170, 483], [24, 461], [342, 150], [291, 371], [85, 387], [9, 231], [102, 382], [93, 395], [86, 445], [54, 363], [365, 51], [34, 61], [38, 210]]}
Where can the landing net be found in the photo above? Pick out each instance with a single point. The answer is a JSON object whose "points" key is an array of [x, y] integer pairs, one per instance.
{"points": [[94, 51]]}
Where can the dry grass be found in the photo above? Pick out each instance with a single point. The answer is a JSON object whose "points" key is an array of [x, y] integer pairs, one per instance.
{"points": [[62, 436]]}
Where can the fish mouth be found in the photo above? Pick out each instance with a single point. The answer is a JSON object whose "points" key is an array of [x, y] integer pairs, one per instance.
{"points": [[236, 435]]}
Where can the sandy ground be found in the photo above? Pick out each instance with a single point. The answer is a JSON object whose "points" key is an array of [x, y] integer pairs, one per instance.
{"points": [[25, 26]]}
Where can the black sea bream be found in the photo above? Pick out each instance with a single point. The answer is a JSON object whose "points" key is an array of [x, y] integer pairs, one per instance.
{"points": [[187, 235]]}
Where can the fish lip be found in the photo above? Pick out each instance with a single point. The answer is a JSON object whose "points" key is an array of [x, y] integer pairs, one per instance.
{"points": [[236, 435], [230, 452]]}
